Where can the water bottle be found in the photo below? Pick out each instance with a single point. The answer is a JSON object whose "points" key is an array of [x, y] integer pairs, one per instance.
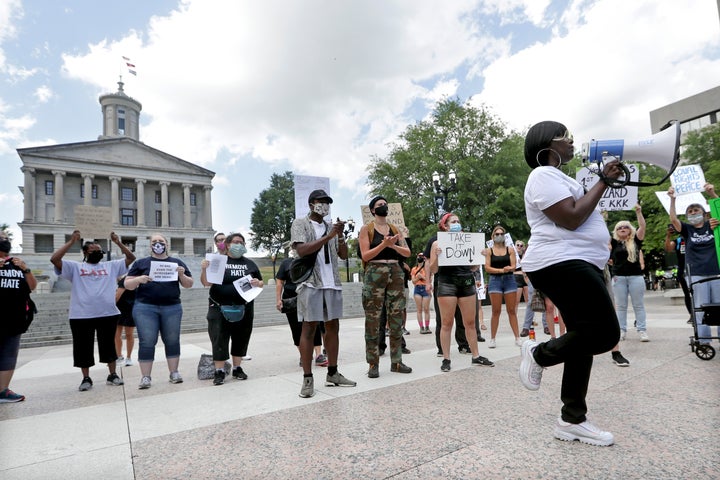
{"points": [[531, 335]]}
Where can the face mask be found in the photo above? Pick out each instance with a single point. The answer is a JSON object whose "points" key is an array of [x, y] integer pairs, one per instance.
{"points": [[321, 209], [695, 219], [381, 211], [455, 227], [221, 246], [5, 246], [420, 260], [499, 238], [95, 256], [159, 248], [237, 250]]}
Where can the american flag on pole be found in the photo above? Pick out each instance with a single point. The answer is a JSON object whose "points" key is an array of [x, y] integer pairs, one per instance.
{"points": [[130, 66]]}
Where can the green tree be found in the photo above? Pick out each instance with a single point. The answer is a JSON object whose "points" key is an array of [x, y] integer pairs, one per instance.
{"points": [[272, 214], [490, 168], [5, 228]]}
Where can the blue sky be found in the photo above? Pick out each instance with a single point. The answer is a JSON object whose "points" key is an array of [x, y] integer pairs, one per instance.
{"points": [[249, 88]]}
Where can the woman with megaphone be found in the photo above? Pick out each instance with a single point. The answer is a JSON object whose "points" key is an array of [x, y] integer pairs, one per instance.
{"points": [[565, 258]]}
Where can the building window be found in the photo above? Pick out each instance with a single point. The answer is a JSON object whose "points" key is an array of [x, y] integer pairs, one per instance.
{"points": [[127, 216], [49, 187], [44, 243], [127, 194], [121, 121], [94, 191], [193, 199], [158, 196], [158, 218]]}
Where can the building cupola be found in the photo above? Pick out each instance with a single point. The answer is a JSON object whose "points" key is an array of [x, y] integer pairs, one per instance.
{"points": [[121, 115]]}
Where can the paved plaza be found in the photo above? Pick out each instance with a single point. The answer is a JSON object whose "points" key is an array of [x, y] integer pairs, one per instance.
{"points": [[470, 423]]}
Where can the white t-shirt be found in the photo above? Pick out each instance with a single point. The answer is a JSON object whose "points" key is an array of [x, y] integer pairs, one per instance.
{"points": [[93, 287], [325, 269], [550, 243]]}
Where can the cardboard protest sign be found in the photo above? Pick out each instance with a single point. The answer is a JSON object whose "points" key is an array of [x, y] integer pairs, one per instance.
{"points": [[688, 179], [624, 198], [93, 222], [395, 216], [460, 248]]}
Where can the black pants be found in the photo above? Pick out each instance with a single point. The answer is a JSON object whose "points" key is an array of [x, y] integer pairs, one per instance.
{"points": [[578, 290], [460, 337]]}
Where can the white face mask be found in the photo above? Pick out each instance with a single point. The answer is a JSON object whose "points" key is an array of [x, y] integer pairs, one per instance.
{"points": [[695, 218], [321, 209]]}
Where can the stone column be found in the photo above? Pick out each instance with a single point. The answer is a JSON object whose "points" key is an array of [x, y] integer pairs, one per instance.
{"points": [[29, 194], [88, 177], [165, 222], [208, 206], [140, 182], [186, 204], [115, 199], [59, 196]]}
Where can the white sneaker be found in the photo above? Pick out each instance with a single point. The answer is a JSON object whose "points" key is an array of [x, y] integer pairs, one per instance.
{"points": [[120, 361], [644, 336], [491, 343], [623, 334], [518, 342], [145, 383], [175, 377], [247, 357], [584, 432], [530, 371], [128, 362]]}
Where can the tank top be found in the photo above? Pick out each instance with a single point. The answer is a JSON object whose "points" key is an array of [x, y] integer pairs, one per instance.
{"points": [[385, 253], [500, 261]]}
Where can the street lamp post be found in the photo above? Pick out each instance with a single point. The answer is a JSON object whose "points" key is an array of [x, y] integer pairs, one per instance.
{"points": [[441, 192], [349, 229]]}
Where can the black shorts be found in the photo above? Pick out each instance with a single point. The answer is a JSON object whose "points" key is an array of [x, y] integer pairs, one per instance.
{"points": [[456, 286], [520, 280]]}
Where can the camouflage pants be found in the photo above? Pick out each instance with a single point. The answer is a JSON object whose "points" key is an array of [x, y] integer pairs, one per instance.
{"points": [[383, 287]]}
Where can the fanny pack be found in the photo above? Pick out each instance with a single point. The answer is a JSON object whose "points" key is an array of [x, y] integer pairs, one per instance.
{"points": [[231, 313]]}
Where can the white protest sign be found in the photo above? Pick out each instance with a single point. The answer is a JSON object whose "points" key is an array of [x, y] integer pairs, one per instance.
{"points": [[304, 185], [163, 271], [682, 202], [93, 222], [245, 288], [624, 198], [215, 272], [688, 179], [460, 248]]}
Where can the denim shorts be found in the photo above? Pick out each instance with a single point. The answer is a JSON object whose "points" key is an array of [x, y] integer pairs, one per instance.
{"points": [[421, 290], [502, 283]]}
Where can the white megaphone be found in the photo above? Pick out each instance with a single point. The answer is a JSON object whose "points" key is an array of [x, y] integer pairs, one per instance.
{"points": [[661, 149]]}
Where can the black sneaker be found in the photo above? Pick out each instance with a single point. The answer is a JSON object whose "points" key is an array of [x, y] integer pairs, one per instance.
{"points": [[464, 350], [619, 360], [400, 368], [480, 338], [219, 377], [445, 367], [86, 384], [113, 379], [239, 374], [406, 350], [439, 353], [482, 361]]}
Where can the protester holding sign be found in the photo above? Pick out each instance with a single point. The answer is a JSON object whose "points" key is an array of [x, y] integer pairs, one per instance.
{"points": [[456, 288], [92, 304], [627, 270], [157, 307], [565, 258], [383, 248], [701, 257], [224, 327], [17, 281]]}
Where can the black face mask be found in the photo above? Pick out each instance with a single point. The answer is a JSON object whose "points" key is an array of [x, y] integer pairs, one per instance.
{"points": [[5, 246], [95, 256], [381, 211], [420, 260]]}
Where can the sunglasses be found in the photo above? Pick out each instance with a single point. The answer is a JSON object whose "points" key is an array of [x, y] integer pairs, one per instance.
{"points": [[566, 137], [519, 245], [622, 228]]}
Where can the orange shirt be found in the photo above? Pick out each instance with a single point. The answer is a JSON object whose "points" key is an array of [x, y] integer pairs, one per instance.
{"points": [[419, 281]]}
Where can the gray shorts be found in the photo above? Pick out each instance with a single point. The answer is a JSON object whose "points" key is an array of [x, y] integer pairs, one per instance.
{"points": [[319, 304]]}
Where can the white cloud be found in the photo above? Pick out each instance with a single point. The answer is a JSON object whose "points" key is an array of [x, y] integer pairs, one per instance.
{"points": [[604, 75], [43, 94]]}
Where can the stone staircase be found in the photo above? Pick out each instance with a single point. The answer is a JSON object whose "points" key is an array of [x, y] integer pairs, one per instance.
{"points": [[51, 326]]}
